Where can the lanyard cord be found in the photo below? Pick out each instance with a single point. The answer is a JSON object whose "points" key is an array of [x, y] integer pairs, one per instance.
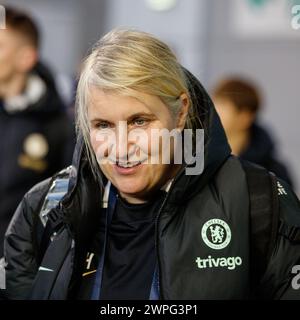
{"points": [[109, 204]]}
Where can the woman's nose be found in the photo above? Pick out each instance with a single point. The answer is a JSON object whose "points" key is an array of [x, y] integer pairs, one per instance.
{"points": [[121, 146]]}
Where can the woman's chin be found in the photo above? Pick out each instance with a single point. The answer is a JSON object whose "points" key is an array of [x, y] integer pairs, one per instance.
{"points": [[130, 188]]}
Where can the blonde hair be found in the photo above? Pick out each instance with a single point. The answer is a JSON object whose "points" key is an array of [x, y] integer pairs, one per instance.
{"points": [[127, 61]]}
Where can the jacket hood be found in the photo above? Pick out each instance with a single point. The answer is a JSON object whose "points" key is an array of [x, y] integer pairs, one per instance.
{"points": [[216, 147]]}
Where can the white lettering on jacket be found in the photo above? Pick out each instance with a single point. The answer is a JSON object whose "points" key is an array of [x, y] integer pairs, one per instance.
{"points": [[224, 262]]}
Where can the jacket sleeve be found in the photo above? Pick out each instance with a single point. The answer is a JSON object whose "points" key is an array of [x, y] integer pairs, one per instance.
{"points": [[281, 279], [19, 249]]}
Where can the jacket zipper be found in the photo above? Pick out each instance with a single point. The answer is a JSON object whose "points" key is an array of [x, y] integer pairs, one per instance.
{"points": [[156, 234]]}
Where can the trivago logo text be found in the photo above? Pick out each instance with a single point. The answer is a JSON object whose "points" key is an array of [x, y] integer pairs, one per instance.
{"points": [[224, 262]]}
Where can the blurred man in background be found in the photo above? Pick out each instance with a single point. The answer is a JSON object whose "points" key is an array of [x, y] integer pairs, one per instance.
{"points": [[36, 135], [238, 102]]}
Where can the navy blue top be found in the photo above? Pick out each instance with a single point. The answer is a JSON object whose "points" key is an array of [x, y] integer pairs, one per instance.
{"points": [[130, 254]]}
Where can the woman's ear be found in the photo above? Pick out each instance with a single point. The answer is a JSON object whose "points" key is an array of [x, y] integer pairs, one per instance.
{"points": [[183, 111]]}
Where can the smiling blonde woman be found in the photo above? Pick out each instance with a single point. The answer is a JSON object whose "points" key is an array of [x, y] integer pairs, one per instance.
{"points": [[115, 225]]}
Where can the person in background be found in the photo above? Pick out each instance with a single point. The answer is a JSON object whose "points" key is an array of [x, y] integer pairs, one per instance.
{"points": [[238, 103], [36, 135]]}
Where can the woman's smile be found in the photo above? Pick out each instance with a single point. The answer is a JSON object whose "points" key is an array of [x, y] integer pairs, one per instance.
{"points": [[127, 168]]}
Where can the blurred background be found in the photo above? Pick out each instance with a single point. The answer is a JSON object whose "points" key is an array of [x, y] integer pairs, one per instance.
{"points": [[255, 39]]}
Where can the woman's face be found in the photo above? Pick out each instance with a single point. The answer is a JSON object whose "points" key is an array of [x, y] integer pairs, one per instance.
{"points": [[120, 133]]}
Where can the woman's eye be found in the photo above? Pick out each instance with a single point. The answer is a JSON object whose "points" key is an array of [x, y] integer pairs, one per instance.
{"points": [[102, 125], [140, 122]]}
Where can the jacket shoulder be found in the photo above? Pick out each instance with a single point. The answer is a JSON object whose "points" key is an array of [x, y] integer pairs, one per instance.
{"points": [[230, 180], [277, 282], [29, 206], [38, 190], [289, 203]]}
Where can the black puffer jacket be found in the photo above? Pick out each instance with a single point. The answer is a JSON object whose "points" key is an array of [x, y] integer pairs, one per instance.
{"points": [[198, 258], [36, 141]]}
